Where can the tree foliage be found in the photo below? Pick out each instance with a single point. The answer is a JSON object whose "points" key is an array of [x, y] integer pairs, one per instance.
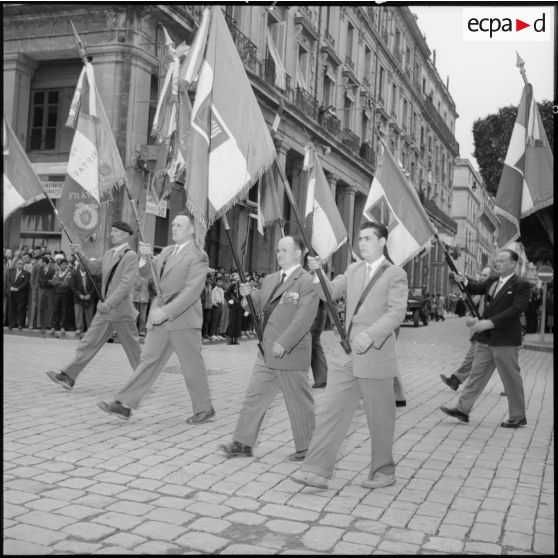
{"points": [[491, 137]]}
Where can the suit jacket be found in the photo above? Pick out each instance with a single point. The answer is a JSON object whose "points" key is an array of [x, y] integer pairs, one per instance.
{"points": [[181, 283], [381, 313], [118, 295], [76, 286], [21, 283], [503, 310], [289, 323]]}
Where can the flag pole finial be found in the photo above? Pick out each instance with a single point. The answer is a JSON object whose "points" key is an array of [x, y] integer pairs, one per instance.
{"points": [[521, 65], [80, 45]]}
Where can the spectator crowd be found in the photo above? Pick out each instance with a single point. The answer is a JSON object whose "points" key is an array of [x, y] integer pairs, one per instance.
{"points": [[50, 291]]}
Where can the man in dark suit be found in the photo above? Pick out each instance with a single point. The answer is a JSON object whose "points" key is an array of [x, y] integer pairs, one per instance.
{"points": [[288, 304], [498, 339], [19, 294], [173, 326], [85, 298], [119, 269]]}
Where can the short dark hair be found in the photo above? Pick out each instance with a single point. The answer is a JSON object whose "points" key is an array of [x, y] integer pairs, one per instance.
{"points": [[380, 230], [63, 260], [513, 254]]}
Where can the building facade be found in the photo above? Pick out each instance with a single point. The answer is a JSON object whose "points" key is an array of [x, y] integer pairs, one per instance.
{"points": [[345, 75], [477, 224]]}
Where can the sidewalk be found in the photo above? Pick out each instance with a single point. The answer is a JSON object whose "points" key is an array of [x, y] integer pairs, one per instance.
{"points": [[79, 481]]}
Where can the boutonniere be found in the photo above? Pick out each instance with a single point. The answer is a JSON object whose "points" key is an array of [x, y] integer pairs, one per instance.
{"points": [[289, 297]]}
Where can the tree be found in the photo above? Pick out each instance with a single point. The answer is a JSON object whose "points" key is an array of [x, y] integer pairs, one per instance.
{"points": [[491, 137]]}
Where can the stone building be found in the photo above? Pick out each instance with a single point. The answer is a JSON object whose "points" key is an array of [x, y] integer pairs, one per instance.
{"points": [[343, 73], [477, 224]]}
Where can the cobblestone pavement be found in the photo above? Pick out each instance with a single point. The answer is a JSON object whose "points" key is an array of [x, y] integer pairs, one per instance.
{"points": [[78, 481]]}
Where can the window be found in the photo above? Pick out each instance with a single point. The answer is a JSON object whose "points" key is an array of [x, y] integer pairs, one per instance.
{"points": [[367, 62], [381, 84], [329, 89], [394, 99], [303, 61], [348, 112], [405, 113], [365, 128], [350, 41], [44, 120]]}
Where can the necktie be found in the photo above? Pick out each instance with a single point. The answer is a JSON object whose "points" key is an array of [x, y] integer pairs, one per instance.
{"points": [[499, 286]]}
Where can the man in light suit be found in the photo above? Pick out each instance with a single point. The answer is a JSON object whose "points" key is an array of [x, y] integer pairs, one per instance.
{"points": [[119, 269], [369, 370], [174, 324], [498, 339], [18, 281], [288, 304]]}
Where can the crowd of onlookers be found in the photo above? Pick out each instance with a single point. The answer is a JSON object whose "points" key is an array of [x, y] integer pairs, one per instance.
{"points": [[50, 291]]}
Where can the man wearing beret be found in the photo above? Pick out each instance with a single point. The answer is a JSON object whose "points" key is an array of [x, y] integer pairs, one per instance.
{"points": [[116, 312]]}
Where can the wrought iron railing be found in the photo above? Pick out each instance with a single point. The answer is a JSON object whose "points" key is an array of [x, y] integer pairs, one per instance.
{"points": [[351, 140], [306, 102], [247, 50], [367, 153], [439, 214]]}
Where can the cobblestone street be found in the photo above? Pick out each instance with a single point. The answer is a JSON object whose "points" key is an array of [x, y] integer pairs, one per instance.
{"points": [[78, 481]]}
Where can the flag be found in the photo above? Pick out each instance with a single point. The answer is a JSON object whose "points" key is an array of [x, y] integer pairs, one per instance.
{"points": [[21, 184], [94, 166], [321, 214], [526, 184], [230, 145], [394, 202], [269, 210]]}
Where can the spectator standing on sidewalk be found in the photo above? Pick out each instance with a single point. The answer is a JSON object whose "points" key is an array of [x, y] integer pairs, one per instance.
{"points": [[233, 298], [440, 308], [140, 298], [18, 282], [85, 298], [207, 304], [46, 293], [63, 303], [217, 301]]}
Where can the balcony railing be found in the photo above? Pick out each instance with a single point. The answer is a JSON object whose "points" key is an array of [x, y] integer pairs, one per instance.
{"points": [[349, 62], [268, 74], [439, 214], [443, 127], [306, 102], [330, 122], [247, 50], [351, 140], [367, 153]]}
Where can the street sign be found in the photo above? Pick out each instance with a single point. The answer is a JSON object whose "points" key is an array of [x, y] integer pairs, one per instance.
{"points": [[545, 274]]}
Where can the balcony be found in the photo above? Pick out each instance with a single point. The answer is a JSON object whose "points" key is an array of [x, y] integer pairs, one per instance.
{"points": [[304, 19], [268, 74], [306, 102], [351, 140], [330, 122], [349, 63], [367, 153], [434, 211], [445, 132], [247, 50]]}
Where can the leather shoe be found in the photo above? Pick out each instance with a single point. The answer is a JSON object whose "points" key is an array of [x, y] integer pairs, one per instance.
{"points": [[115, 408], [456, 413], [319, 385], [516, 423], [236, 449], [61, 379], [401, 403], [298, 455], [203, 416], [451, 382], [309, 479], [380, 480]]}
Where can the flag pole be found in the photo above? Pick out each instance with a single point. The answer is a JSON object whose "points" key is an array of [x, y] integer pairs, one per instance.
{"points": [[257, 324], [473, 309], [85, 60], [329, 301]]}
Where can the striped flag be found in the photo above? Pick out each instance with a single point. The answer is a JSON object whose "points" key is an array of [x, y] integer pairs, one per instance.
{"points": [[269, 210], [94, 166], [21, 184], [230, 145], [321, 213], [393, 201], [526, 184]]}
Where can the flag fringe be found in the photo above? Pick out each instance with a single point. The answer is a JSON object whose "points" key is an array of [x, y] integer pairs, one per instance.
{"points": [[411, 256], [538, 208]]}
